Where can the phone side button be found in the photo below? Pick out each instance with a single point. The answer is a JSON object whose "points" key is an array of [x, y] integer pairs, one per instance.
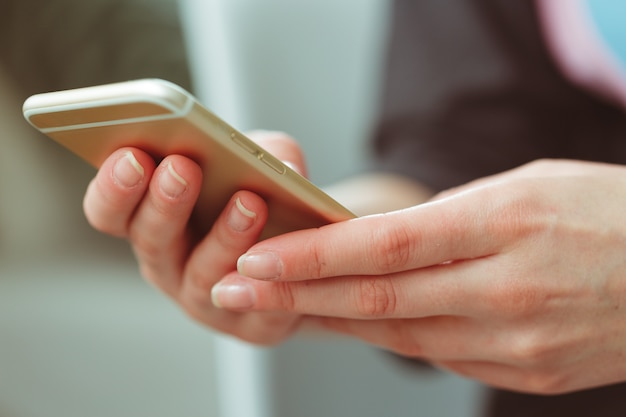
{"points": [[243, 143], [273, 163]]}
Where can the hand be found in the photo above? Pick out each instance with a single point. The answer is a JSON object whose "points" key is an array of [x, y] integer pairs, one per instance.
{"points": [[517, 280], [150, 206]]}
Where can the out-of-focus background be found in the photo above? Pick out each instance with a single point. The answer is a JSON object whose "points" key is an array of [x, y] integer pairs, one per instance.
{"points": [[82, 335]]}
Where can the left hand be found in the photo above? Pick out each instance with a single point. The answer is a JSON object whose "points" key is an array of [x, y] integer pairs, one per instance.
{"points": [[150, 205], [517, 280]]}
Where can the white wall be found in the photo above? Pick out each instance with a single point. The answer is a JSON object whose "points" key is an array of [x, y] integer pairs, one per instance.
{"points": [[307, 67]]}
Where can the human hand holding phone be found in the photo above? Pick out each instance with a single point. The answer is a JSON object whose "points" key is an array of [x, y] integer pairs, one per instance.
{"points": [[150, 204], [167, 168], [510, 280]]}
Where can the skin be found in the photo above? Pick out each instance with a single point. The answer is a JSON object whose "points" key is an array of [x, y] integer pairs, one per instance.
{"points": [[517, 280], [150, 206]]}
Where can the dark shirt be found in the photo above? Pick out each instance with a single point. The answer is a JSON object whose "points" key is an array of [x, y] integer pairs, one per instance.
{"points": [[472, 90]]}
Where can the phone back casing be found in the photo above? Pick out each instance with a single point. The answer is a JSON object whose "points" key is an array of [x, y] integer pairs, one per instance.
{"points": [[163, 119]]}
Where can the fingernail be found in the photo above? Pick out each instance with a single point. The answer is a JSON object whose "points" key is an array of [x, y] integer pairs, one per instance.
{"points": [[172, 183], [127, 171], [240, 217], [260, 265], [235, 296]]}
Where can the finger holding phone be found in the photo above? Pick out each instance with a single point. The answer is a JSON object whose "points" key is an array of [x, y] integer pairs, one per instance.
{"points": [[150, 205]]}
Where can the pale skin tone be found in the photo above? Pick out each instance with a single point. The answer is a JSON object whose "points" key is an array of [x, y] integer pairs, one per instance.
{"points": [[517, 280]]}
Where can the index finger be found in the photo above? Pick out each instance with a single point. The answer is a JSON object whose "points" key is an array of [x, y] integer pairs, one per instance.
{"points": [[466, 226]]}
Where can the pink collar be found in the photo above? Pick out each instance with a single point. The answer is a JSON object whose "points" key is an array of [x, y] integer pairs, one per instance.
{"points": [[579, 50]]}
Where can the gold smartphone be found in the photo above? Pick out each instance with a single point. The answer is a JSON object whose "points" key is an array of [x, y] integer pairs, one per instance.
{"points": [[161, 118]]}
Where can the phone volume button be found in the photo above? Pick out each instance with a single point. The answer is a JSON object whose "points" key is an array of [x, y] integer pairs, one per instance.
{"points": [[245, 144], [273, 163]]}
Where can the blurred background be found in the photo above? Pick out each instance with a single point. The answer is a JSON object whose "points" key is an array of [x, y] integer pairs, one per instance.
{"points": [[80, 332]]}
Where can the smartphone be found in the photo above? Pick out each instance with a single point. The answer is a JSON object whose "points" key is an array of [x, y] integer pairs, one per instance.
{"points": [[161, 118]]}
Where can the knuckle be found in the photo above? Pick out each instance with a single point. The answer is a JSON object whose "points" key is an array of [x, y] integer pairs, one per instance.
{"points": [[526, 352], [531, 349], [198, 285], [540, 164], [285, 295], [523, 213], [316, 268], [376, 297], [146, 249], [391, 249], [545, 382], [551, 167], [514, 298]]}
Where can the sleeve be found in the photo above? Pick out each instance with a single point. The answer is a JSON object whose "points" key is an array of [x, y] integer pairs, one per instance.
{"points": [[471, 90], [58, 44]]}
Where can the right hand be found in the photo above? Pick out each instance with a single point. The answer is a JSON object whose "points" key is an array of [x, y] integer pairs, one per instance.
{"points": [[150, 205]]}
